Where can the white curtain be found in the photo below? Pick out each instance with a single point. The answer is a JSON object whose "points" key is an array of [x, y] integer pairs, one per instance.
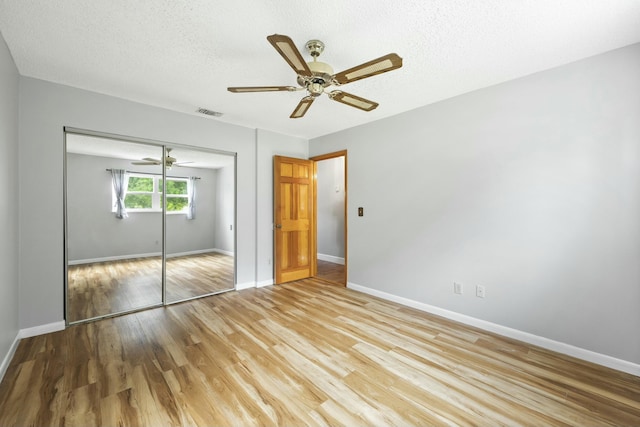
{"points": [[191, 195], [120, 180]]}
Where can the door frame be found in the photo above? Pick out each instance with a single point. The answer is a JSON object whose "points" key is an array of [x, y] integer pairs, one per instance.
{"points": [[333, 155]]}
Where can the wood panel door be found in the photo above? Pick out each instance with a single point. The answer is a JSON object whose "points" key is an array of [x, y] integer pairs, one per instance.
{"points": [[295, 248]]}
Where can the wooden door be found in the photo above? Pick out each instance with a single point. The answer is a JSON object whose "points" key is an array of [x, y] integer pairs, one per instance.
{"points": [[295, 249]]}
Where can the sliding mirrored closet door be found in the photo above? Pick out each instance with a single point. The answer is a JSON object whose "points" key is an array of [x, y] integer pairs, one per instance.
{"points": [[200, 222], [146, 224], [114, 237]]}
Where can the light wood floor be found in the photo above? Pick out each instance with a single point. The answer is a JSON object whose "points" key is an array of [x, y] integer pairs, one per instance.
{"points": [[332, 272], [103, 288], [304, 353]]}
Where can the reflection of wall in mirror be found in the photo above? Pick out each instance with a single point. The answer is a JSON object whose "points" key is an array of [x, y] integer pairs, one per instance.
{"points": [[225, 200], [94, 233]]}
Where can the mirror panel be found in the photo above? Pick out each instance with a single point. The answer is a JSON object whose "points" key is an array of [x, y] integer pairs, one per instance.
{"points": [[200, 224], [114, 260]]}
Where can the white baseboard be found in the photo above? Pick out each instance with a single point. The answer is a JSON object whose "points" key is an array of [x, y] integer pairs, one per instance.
{"points": [[248, 285], [221, 251], [41, 329], [112, 258], [331, 258], [147, 255], [7, 358], [264, 283], [557, 346]]}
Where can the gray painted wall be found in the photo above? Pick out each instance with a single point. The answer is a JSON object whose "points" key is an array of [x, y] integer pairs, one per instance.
{"points": [[270, 144], [530, 188], [45, 108], [224, 221], [330, 199], [9, 290], [95, 232]]}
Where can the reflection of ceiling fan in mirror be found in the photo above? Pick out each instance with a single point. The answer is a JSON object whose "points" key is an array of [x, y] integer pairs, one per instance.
{"points": [[169, 161]]}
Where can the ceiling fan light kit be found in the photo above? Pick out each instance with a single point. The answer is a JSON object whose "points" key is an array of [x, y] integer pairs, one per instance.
{"points": [[316, 76]]}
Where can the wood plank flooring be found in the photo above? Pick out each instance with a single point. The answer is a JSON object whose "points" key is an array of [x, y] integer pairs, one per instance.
{"points": [[304, 353], [102, 288]]}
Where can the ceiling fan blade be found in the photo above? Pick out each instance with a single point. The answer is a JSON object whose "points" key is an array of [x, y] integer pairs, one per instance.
{"points": [[285, 47], [181, 163], [302, 107], [352, 100], [261, 89], [146, 163], [377, 66]]}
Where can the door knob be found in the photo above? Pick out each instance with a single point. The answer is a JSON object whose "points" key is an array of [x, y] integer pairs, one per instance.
{"points": [[278, 225]]}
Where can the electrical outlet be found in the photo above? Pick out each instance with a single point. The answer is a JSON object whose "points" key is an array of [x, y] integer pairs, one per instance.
{"points": [[480, 293], [457, 288]]}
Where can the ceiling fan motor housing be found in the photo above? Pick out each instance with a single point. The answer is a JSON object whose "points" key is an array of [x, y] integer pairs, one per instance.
{"points": [[322, 77]]}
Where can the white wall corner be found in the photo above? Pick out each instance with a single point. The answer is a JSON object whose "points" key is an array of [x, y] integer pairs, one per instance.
{"points": [[7, 358], [221, 251], [557, 346], [331, 258]]}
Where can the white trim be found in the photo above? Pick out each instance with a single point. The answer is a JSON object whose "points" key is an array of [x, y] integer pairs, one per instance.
{"points": [[7, 358], [196, 252], [264, 283], [147, 255], [222, 251], [248, 285], [113, 258], [42, 329], [331, 258], [557, 346]]}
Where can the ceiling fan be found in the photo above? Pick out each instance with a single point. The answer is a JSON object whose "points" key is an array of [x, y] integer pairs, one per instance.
{"points": [[168, 160], [315, 77]]}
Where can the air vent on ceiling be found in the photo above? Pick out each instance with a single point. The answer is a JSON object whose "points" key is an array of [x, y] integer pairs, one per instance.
{"points": [[209, 112]]}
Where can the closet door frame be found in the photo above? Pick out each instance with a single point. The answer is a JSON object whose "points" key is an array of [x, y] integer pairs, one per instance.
{"points": [[160, 144]]}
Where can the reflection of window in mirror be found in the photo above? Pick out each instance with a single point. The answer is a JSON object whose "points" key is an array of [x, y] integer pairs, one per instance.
{"points": [[144, 194]]}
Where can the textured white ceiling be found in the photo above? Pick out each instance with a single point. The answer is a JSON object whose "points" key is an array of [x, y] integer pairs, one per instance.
{"points": [[182, 54]]}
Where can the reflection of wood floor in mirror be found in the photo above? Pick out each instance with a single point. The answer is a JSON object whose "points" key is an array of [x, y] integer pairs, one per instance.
{"points": [[102, 288], [331, 271]]}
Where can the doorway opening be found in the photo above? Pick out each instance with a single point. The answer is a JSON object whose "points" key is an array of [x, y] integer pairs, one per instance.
{"points": [[331, 217]]}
